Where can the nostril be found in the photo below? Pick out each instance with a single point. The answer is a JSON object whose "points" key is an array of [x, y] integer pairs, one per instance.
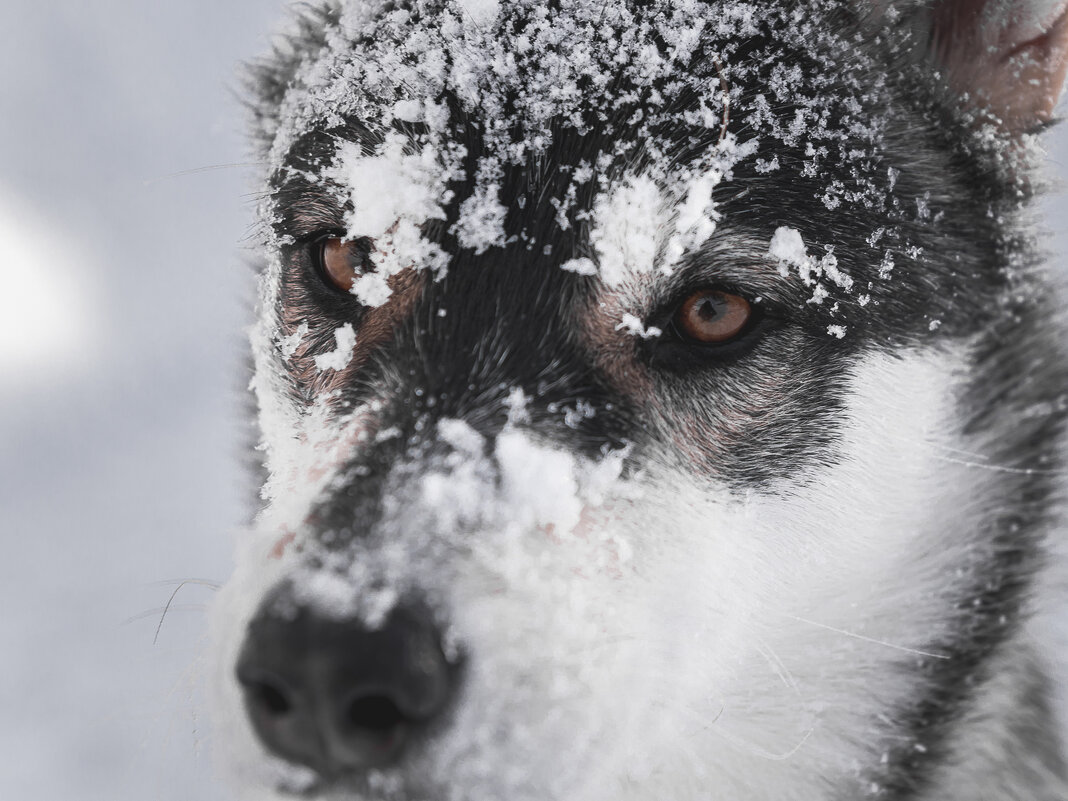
{"points": [[376, 713], [270, 697], [337, 695]]}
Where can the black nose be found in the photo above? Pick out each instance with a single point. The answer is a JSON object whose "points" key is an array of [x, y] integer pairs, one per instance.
{"points": [[337, 695]]}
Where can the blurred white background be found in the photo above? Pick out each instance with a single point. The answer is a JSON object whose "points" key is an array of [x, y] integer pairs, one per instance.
{"points": [[124, 292]]}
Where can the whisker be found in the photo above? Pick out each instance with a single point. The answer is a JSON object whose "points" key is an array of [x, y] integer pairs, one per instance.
{"points": [[198, 170], [872, 640], [163, 616], [984, 463], [776, 664], [1000, 468], [161, 609], [739, 742], [756, 750]]}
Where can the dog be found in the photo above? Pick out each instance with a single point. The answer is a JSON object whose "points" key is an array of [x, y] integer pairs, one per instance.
{"points": [[658, 400]]}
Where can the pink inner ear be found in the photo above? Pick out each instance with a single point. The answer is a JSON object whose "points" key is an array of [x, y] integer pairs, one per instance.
{"points": [[1009, 56]]}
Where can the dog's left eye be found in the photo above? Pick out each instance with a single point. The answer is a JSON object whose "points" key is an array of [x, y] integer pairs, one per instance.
{"points": [[712, 317], [340, 262]]}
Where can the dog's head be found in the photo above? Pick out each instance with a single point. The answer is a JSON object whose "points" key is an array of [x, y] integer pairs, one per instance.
{"points": [[655, 396]]}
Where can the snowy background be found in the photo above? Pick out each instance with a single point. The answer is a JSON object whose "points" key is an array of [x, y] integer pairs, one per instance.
{"points": [[124, 292]]}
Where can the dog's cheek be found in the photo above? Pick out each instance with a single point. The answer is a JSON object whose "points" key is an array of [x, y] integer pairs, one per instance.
{"points": [[853, 570], [765, 615]]}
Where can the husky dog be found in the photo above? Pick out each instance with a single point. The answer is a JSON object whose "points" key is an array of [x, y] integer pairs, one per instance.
{"points": [[659, 400]]}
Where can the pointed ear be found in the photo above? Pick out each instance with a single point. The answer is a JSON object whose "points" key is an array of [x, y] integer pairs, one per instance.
{"points": [[1009, 56]]}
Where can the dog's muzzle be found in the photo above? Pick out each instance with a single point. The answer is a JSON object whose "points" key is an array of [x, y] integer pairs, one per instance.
{"points": [[337, 695]]}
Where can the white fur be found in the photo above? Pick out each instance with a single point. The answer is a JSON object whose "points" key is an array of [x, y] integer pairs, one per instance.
{"points": [[655, 637]]}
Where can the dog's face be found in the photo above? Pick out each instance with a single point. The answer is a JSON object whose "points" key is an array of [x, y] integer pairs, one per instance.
{"points": [[627, 373]]}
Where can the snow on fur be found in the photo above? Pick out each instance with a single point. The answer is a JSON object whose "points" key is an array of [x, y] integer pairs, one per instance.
{"points": [[529, 75]]}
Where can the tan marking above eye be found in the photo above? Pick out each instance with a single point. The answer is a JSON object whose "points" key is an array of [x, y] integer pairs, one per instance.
{"points": [[711, 316], [345, 260]]}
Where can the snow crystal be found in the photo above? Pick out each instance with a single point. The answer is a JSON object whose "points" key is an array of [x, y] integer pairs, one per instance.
{"points": [[540, 483], [696, 218], [582, 410], [837, 331], [345, 337], [387, 434]]}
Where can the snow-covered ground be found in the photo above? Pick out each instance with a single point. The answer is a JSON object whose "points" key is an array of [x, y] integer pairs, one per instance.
{"points": [[124, 291]]}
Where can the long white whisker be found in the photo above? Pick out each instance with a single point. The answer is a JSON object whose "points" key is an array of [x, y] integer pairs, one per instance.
{"points": [[872, 640]]}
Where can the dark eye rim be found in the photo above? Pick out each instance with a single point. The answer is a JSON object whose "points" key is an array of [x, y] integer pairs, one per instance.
{"points": [[675, 350]]}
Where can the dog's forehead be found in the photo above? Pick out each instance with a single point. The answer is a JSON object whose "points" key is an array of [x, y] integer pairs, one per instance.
{"points": [[608, 137], [563, 101]]}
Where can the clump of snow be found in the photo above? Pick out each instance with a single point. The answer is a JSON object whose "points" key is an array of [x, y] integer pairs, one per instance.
{"points": [[481, 223], [625, 233], [838, 331], [581, 265], [372, 288], [634, 326], [289, 345], [512, 78], [480, 12], [788, 248], [696, 216], [337, 359], [392, 194], [516, 403], [461, 436]]}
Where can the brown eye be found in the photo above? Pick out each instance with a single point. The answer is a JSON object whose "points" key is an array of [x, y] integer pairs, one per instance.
{"points": [[710, 316], [342, 261]]}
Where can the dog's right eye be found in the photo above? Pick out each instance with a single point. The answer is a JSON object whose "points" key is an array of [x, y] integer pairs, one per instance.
{"points": [[712, 317], [339, 262]]}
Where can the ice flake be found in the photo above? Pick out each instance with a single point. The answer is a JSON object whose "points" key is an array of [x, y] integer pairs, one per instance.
{"points": [[345, 338]]}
